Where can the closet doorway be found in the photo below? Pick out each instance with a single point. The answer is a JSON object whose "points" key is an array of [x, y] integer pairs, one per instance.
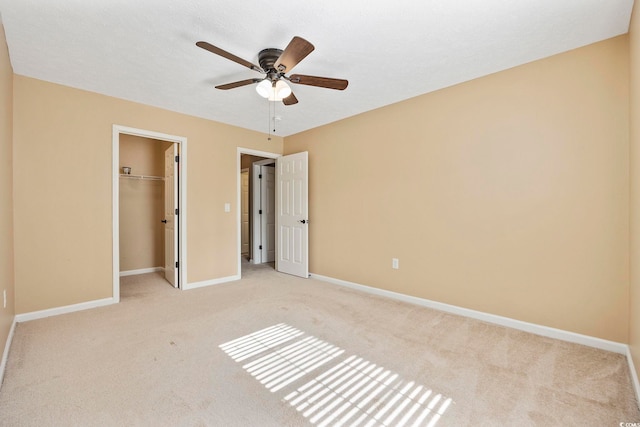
{"points": [[148, 214]]}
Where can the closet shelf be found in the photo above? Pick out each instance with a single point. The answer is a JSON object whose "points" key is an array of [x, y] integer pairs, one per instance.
{"points": [[146, 177]]}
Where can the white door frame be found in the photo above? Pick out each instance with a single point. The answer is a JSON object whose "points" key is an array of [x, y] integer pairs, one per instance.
{"points": [[115, 191], [256, 232], [240, 152]]}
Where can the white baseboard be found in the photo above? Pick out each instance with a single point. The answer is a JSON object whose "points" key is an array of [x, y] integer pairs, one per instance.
{"points": [[545, 331], [634, 375], [141, 271], [24, 317], [211, 282], [5, 354]]}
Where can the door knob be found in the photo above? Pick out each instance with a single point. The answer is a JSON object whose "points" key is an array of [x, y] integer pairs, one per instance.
{"points": [[164, 220], [304, 221]]}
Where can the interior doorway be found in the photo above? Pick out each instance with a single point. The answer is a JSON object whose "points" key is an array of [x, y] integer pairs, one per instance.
{"points": [[262, 217], [256, 197], [149, 199], [146, 201], [257, 207], [245, 211]]}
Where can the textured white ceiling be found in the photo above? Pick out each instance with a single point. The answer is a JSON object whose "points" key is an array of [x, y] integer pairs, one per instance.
{"points": [[144, 50]]}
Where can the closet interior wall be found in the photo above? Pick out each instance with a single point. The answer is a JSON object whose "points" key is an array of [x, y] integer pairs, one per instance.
{"points": [[141, 203]]}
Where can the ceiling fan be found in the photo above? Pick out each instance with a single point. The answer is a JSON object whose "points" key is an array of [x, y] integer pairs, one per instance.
{"points": [[274, 64]]}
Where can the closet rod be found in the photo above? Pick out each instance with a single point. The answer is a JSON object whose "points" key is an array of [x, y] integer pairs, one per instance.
{"points": [[147, 177]]}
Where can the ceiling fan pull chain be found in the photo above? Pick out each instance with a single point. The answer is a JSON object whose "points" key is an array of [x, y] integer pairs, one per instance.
{"points": [[269, 119], [274, 117]]}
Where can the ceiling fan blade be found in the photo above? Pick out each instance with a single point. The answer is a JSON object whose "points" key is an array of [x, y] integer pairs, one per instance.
{"points": [[290, 100], [296, 51], [338, 84], [214, 49], [238, 84]]}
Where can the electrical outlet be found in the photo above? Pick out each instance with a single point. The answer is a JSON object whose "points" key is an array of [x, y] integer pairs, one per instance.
{"points": [[395, 263]]}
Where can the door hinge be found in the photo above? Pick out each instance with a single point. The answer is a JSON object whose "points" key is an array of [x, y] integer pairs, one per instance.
{"points": [[176, 211], [260, 176], [177, 159], [177, 264], [260, 212], [260, 247]]}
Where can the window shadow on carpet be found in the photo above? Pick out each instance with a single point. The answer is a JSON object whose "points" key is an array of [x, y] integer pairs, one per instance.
{"points": [[347, 390]]}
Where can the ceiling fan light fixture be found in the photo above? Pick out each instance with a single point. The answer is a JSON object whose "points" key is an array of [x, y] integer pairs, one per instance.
{"points": [[264, 88], [277, 91], [282, 90]]}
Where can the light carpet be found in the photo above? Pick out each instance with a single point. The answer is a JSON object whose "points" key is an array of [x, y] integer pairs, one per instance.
{"points": [[275, 350]]}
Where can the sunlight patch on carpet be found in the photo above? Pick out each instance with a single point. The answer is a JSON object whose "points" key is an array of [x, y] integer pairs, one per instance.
{"points": [[258, 342], [350, 392], [284, 366], [357, 392]]}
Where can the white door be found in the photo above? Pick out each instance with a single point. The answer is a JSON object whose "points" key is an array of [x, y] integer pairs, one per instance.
{"points": [[244, 206], [170, 223], [292, 214], [268, 217]]}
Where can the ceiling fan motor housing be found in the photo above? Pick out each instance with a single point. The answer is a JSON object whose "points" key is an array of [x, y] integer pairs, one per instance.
{"points": [[267, 58]]}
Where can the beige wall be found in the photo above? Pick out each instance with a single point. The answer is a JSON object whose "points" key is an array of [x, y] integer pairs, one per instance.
{"points": [[634, 138], [141, 203], [6, 190], [507, 194], [62, 188]]}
